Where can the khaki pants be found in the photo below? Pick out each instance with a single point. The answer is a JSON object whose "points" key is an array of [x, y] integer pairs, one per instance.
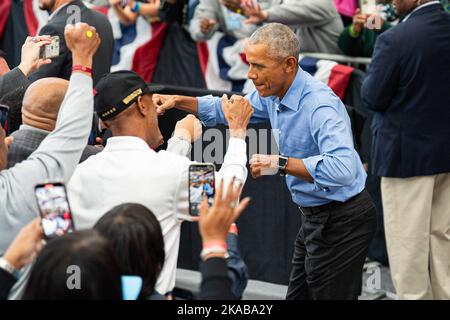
{"points": [[417, 225]]}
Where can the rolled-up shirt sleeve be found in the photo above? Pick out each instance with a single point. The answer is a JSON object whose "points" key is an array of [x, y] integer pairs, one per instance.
{"points": [[210, 111], [336, 165]]}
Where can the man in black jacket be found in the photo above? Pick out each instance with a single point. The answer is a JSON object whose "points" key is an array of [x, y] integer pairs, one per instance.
{"points": [[407, 86], [64, 12]]}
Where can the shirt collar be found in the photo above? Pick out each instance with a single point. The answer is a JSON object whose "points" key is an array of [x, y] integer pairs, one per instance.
{"points": [[291, 98], [58, 10], [420, 7], [126, 143]]}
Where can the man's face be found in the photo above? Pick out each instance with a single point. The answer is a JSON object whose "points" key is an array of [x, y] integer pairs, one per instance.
{"points": [[47, 5], [155, 138], [267, 73], [404, 7], [4, 68]]}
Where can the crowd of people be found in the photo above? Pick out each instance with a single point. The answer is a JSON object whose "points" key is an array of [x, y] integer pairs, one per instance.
{"points": [[72, 121]]}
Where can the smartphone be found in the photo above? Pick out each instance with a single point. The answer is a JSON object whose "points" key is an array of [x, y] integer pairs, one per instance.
{"points": [[368, 6], [201, 185], [56, 218], [51, 50], [4, 117]]}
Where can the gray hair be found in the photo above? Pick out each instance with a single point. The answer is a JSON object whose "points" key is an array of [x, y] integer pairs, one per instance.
{"points": [[281, 41]]}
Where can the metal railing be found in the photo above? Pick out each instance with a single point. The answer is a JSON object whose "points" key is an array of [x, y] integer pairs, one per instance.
{"points": [[338, 58]]}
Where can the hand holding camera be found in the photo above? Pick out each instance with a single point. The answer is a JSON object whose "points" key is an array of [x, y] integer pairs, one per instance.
{"points": [[30, 60]]}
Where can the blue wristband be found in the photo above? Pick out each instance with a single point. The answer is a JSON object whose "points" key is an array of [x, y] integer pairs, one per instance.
{"points": [[137, 7]]}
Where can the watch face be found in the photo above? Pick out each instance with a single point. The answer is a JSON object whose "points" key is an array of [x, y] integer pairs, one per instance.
{"points": [[282, 161]]}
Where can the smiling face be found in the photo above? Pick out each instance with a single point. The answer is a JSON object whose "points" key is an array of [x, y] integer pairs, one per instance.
{"points": [[271, 76]]}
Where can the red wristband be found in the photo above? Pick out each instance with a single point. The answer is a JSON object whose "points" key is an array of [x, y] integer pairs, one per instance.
{"points": [[82, 68], [210, 244], [233, 229]]}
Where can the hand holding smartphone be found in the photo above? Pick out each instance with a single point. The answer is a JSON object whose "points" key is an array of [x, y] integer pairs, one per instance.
{"points": [[51, 50], [368, 6], [56, 218], [201, 185]]}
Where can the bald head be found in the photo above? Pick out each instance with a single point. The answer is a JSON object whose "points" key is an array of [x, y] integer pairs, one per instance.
{"points": [[42, 101]]}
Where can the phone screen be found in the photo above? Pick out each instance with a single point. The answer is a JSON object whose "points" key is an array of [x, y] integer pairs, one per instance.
{"points": [[4, 117], [51, 50], [201, 185], [368, 6], [54, 209]]}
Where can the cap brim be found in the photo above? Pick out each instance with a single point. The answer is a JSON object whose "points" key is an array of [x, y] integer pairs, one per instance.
{"points": [[155, 88]]}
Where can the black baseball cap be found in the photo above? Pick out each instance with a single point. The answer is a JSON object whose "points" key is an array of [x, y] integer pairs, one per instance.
{"points": [[116, 91]]}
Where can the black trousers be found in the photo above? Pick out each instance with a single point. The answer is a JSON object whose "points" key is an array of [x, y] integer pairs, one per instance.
{"points": [[330, 250]]}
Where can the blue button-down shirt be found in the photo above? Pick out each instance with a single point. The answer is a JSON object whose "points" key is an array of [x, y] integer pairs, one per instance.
{"points": [[314, 126]]}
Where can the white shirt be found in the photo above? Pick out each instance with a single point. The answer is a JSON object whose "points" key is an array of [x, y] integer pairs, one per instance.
{"points": [[420, 7], [129, 171]]}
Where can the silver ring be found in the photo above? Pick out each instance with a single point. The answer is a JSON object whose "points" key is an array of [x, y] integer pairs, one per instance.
{"points": [[35, 39]]}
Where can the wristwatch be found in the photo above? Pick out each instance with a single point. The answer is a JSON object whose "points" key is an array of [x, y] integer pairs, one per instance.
{"points": [[8, 267], [282, 163]]}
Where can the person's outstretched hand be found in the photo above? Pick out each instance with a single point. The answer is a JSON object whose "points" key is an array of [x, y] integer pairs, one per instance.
{"points": [[254, 13], [30, 61], [164, 102], [83, 41], [26, 245], [188, 128], [215, 221], [237, 112]]}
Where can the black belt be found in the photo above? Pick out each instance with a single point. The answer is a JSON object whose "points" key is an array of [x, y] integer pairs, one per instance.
{"points": [[307, 211]]}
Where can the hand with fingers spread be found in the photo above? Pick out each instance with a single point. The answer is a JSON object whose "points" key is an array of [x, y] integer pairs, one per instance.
{"points": [[30, 61], [164, 102], [237, 112], [26, 245], [215, 221], [254, 13], [189, 128], [263, 165]]}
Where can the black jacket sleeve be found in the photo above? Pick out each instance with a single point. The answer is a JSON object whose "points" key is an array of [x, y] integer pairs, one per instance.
{"points": [[12, 81], [216, 284], [7, 281]]}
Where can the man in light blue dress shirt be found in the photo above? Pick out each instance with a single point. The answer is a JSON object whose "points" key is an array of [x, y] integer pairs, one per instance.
{"points": [[323, 171]]}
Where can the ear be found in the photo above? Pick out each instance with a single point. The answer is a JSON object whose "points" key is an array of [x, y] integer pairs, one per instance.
{"points": [[291, 64], [142, 107]]}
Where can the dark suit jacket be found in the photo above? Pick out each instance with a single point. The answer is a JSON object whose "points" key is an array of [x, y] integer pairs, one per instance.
{"points": [[61, 66], [7, 281], [216, 284], [12, 81], [27, 140], [408, 85]]}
